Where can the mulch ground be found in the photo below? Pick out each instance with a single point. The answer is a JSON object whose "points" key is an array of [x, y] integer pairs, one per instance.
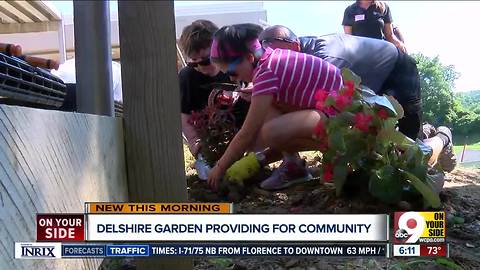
{"points": [[460, 198]]}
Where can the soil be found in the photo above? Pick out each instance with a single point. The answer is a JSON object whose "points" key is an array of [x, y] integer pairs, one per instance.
{"points": [[460, 198]]}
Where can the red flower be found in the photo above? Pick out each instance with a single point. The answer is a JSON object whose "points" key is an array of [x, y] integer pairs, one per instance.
{"points": [[320, 130], [349, 85], [342, 101], [330, 111], [327, 172], [320, 105], [383, 114], [321, 95], [362, 121], [349, 88]]}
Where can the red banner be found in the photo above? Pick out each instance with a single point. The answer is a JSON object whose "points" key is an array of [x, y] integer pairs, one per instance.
{"points": [[60, 228], [433, 250]]}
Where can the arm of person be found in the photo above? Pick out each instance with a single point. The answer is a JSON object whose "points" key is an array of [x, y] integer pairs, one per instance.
{"points": [[388, 30], [187, 86], [246, 92], [243, 139], [190, 135], [348, 20], [398, 34], [347, 29]]}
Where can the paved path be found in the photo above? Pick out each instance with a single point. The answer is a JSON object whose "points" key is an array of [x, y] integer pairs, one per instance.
{"points": [[470, 156]]}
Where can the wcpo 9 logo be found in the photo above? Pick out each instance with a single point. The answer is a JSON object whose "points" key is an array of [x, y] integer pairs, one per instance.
{"points": [[408, 227], [423, 227]]}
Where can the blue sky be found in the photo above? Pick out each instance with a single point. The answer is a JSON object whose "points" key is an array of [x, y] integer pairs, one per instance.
{"points": [[445, 28]]}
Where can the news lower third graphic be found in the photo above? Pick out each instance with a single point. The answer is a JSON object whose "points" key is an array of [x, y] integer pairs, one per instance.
{"points": [[212, 229], [65, 250], [419, 234]]}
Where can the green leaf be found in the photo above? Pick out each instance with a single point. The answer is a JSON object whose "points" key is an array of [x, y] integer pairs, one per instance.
{"points": [[335, 140], [385, 185], [409, 155], [374, 100], [348, 75], [330, 101], [340, 172], [449, 263], [329, 155], [399, 138], [427, 191], [388, 134], [355, 145], [458, 220], [389, 124], [397, 106], [221, 263], [345, 119]]}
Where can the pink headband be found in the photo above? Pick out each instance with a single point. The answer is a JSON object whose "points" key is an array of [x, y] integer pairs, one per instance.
{"points": [[253, 45]]}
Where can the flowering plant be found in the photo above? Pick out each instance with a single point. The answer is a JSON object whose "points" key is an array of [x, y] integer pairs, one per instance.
{"points": [[215, 125], [360, 134]]}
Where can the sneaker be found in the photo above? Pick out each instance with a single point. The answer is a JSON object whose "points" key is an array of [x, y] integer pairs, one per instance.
{"points": [[203, 169], [289, 173], [447, 159], [428, 131]]}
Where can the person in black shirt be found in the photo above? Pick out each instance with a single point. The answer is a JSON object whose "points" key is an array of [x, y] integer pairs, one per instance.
{"points": [[196, 84], [371, 19], [195, 90]]}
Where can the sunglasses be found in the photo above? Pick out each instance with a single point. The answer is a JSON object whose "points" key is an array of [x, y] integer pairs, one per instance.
{"points": [[204, 62], [265, 42], [232, 67]]}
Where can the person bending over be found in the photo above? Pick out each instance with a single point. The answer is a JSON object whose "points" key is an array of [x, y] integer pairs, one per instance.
{"points": [[382, 68], [282, 114]]}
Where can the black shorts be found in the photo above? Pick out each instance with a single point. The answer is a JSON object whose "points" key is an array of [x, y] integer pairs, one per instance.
{"points": [[403, 83]]}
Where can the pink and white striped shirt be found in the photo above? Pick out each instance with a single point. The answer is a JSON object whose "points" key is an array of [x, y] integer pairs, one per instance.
{"points": [[294, 78]]}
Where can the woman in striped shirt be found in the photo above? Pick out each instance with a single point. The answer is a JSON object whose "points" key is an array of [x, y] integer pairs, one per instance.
{"points": [[282, 114]]}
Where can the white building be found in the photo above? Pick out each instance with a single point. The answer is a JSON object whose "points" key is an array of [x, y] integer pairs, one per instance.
{"points": [[47, 44]]}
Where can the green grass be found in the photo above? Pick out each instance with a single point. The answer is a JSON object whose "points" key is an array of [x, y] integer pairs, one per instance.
{"points": [[459, 148], [472, 141]]}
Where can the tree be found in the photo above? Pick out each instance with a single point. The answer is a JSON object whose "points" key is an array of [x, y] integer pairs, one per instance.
{"points": [[437, 82], [468, 114]]}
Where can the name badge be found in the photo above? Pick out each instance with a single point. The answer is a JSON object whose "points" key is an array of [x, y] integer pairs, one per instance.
{"points": [[360, 17]]}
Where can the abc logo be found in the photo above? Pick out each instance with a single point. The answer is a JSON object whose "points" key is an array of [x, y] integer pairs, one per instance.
{"points": [[410, 227], [401, 234]]}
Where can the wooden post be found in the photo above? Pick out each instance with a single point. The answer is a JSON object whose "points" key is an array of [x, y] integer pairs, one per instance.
{"points": [[464, 148], [153, 142]]}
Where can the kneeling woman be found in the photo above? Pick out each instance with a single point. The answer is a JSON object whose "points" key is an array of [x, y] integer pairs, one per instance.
{"points": [[282, 114]]}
